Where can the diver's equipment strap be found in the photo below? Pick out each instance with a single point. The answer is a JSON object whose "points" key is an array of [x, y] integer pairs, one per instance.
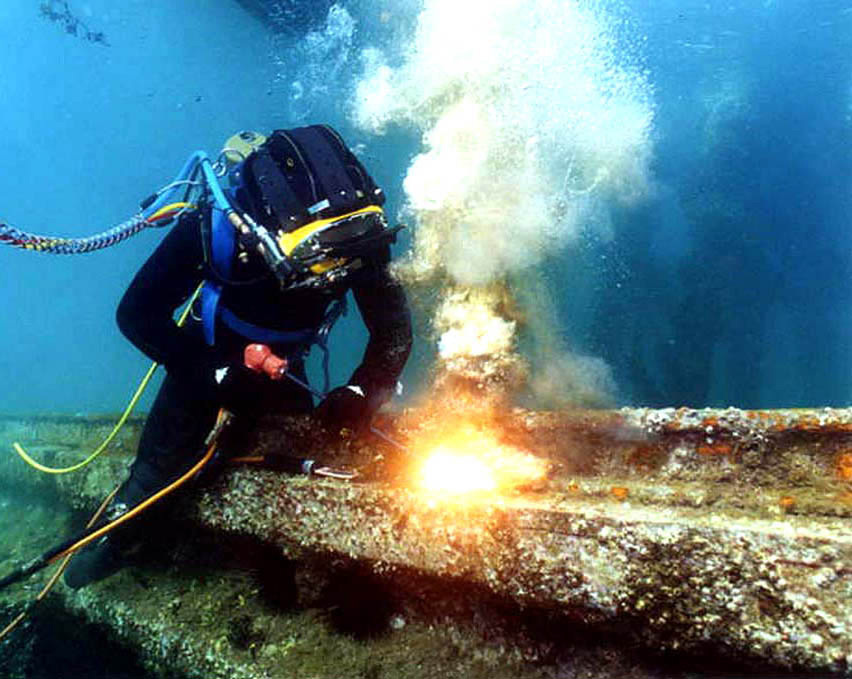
{"points": [[301, 340], [210, 295], [278, 194], [257, 333], [221, 257], [328, 168]]}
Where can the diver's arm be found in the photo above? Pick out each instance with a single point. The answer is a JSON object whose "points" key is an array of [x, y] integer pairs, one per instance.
{"points": [[145, 314], [384, 308]]}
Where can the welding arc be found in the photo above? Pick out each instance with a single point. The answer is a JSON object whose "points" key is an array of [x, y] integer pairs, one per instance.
{"points": [[77, 542]]}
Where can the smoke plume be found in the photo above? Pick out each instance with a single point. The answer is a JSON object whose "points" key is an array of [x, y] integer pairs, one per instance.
{"points": [[533, 114]]}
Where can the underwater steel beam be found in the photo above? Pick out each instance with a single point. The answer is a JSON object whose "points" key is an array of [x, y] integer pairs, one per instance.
{"points": [[701, 531], [671, 578]]}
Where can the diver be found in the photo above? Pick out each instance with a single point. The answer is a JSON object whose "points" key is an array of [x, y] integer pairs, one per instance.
{"points": [[298, 225]]}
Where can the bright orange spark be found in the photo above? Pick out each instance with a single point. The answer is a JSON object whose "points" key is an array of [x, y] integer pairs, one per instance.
{"points": [[473, 462], [450, 472]]}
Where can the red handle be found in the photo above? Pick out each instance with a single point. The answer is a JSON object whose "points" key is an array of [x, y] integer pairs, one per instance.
{"points": [[259, 357]]}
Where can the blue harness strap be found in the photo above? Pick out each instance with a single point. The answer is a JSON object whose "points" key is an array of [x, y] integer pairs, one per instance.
{"points": [[300, 340], [257, 333], [210, 294], [223, 243]]}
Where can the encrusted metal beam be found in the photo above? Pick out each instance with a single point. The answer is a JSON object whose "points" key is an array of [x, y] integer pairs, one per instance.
{"points": [[722, 532]]}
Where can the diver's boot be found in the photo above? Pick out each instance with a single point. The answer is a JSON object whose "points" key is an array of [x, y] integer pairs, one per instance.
{"points": [[105, 556]]}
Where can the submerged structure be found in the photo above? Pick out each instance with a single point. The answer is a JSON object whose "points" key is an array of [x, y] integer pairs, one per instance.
{"points": [[631, 542]]}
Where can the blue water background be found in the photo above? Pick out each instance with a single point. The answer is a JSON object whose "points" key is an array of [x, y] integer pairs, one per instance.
{"points": [[90, 130], [729, 286], [733, 286]]}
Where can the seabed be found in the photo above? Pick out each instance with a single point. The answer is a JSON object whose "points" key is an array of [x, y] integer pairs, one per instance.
{"points": [[661, 543]]}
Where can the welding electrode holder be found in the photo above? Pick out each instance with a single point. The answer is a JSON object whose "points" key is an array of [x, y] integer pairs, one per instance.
{"points": [[260, 359], [305, 466]]}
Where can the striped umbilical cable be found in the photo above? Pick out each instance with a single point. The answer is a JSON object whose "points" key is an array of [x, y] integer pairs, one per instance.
{"points": [[158, 209], [58, 245]]}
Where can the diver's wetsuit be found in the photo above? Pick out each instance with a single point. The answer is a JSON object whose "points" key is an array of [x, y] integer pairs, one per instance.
{"points": [[185, 408]]}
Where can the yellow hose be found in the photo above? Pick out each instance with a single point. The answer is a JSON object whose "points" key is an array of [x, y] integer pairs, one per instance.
{"points": [[172, 207], [57, 573], [136, 396], [221, 420]]}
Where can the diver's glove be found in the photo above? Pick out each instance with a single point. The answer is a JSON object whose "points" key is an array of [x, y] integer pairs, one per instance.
{"points": [[237, 387], [345, 407]]}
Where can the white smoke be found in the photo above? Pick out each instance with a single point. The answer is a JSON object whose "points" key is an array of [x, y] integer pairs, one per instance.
{"points": [[532, 116], [526, 110]]}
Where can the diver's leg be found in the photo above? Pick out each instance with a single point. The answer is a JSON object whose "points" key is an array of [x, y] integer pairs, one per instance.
{"points": [[172, 440]]}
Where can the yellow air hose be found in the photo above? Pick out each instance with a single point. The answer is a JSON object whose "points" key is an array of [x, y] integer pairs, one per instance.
{"points": [[222, 420], [56, 574], [136, 396]]}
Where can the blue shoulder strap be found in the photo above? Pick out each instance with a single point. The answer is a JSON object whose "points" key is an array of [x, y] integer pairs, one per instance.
{"points": [[222, 245], [222, 248]]}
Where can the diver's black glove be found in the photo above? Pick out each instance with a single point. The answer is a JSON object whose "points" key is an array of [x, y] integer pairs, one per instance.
{"points": [[237, 387], [345, 408]]}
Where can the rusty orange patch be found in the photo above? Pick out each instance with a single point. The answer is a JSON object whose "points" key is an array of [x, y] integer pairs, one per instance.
{"points": [[845, 498], [807, 424], [844, 466], [715, 449], [619, 492]]}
